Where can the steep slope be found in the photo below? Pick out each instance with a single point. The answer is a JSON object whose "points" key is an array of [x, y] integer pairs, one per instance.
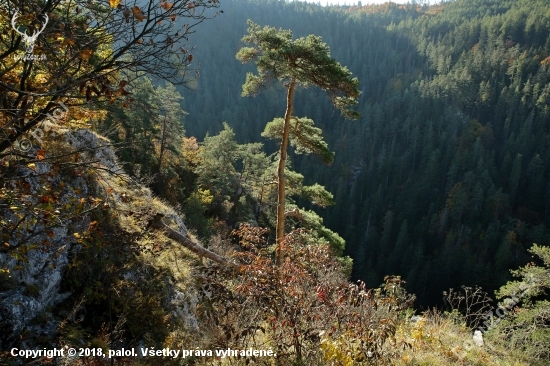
{"points": [[89, 265]]}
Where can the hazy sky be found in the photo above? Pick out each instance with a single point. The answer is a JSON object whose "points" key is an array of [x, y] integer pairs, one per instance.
{"points": [[354, 2]]}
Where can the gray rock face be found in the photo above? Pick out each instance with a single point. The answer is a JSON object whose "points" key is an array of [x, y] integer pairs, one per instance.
{"points": [[37, 255], [184, 306], [416, 318]]}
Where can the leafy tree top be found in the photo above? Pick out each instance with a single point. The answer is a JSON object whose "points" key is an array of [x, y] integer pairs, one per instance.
{"points": [[305, 61], [89, 51]]}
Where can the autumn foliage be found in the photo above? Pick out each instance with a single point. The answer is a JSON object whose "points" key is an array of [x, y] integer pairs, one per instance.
{"points": [[305, 309]]}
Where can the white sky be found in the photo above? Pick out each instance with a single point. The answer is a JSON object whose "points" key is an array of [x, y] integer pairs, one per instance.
{"points": [[354, 2]]}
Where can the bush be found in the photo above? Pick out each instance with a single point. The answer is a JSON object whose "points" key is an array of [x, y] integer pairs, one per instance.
{"points": [[304, 310]]}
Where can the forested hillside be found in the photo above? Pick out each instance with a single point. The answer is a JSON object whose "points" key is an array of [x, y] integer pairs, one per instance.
{"points": [[444, 178], [268, 182]]}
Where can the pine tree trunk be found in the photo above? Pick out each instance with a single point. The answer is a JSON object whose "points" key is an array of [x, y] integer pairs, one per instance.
{"points": [[280, 235], [161, 153]]}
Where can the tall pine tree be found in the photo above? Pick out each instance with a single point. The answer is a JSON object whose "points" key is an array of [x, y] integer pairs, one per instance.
{"points": [[302, 62]]}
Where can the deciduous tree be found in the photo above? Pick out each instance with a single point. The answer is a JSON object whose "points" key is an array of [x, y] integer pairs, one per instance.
{"points": [[84, 51]]}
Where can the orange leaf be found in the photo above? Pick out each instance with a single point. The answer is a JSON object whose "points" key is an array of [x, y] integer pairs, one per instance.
{"points": [[114, 3], [138, 14], [41, 154], [86, 54], [166, 6]]}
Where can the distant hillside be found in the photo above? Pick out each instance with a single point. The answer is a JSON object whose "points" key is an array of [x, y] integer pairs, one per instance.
{"points": [[444, 180]]}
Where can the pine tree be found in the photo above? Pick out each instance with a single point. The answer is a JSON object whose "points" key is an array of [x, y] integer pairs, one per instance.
{"points": [[170, 124], [302, 62], [526, 326]]}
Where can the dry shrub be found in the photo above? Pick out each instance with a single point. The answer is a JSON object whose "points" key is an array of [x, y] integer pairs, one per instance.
{"points": [[304, 310], [472, 303]]}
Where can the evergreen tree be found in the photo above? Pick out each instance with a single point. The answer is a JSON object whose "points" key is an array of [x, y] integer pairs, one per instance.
{"points": [[302, 62], [527, 309], [170, 126]]}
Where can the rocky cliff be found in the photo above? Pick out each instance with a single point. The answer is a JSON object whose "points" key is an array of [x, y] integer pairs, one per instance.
{"points": [[50, 211]]}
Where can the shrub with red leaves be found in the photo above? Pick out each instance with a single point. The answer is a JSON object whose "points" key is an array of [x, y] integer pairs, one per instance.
{"points": [[296, 306]]}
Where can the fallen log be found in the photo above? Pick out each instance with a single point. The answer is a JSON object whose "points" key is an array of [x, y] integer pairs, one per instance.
{"points": [[188, 243]]}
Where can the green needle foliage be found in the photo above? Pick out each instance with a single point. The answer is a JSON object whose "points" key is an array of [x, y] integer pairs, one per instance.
{"points": [[306, 138], [302, 62], [305, 61], [526, 328]]}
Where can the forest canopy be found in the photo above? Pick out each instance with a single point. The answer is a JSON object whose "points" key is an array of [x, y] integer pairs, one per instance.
{"points": [[443, 180]]}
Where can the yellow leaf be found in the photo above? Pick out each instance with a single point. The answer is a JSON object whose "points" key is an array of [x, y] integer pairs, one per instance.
{"points": [[114, 3]]}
